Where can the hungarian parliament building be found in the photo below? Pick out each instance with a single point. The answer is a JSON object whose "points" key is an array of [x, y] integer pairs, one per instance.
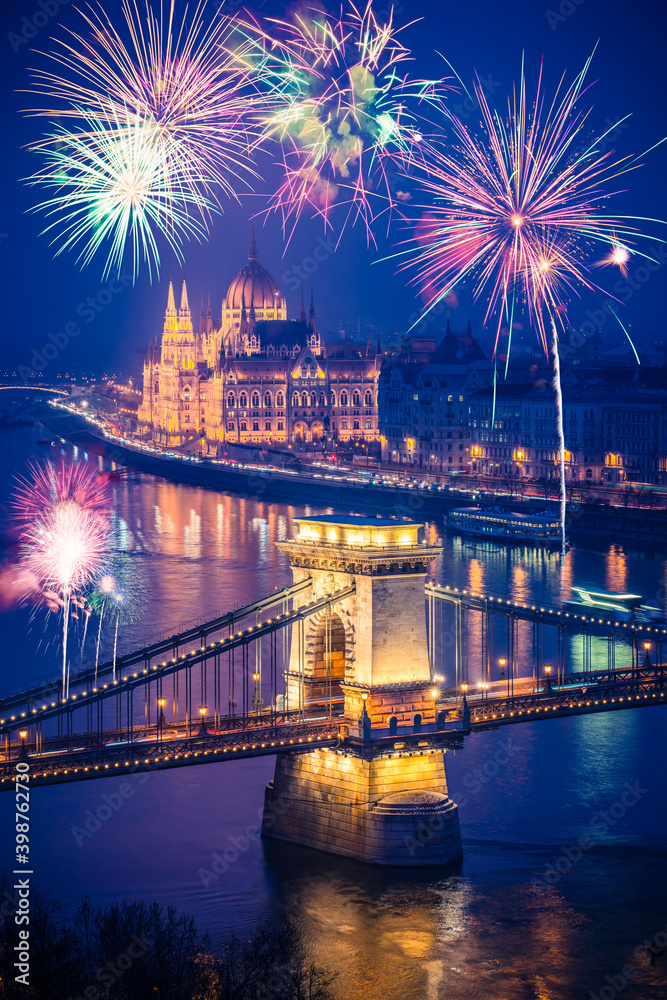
{"points": [[257, 378]]}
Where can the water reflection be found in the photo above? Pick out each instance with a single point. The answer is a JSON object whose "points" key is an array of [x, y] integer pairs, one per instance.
{"points": [[392, 936], [616, 570], [482, 931]]}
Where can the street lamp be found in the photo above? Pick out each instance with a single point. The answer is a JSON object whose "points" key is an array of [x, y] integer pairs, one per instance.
{"points": [[160, 722], [256, 702], [23, 736], [202, 726], [647, 659], [502, 663], [547, 670]]}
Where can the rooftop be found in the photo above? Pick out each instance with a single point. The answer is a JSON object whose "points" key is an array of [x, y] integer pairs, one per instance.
{"points": [[357, 521]]}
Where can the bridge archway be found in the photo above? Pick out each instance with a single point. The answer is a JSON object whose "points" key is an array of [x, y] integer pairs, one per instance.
{"points": [[327, 664]]}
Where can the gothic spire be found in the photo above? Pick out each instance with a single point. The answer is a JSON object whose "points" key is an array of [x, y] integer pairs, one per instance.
{"points": [[171, 302], [184, 298], [302, 316], [209, 315], [202, 316], [253, 254], [311, 317]]}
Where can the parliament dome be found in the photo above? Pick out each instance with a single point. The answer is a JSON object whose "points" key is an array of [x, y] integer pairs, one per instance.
{"points": [[253, 286]]}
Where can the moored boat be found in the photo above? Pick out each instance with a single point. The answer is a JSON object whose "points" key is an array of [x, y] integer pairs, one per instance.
{"points": [[502, 524]]}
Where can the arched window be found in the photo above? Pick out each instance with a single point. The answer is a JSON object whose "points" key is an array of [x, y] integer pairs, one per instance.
{"points": [[156, 389], [281, 426], [418, 724], [368, 399], [343, 425], [355, 426], [230, 425], [267, 399], [231, 400], [323, 399], [355, 398], [244, 425], [589, 473], [304, 399], [393, 725], [255, 400], [295, 399], [255, 425], [186, 394], [280, 399], [313, 399], [243, 400], [333, 398], [343, 398], [267, 425], [368, 425]]}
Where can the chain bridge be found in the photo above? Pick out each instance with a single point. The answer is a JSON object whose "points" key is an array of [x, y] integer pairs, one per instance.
{"points": [[357, 677]]}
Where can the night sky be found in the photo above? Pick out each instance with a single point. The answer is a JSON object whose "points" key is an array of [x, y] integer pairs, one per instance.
{"points": [[41, 294]]}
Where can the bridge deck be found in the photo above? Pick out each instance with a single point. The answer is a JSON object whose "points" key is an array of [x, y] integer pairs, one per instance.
{"points": [[545, 614], [169, 646]]}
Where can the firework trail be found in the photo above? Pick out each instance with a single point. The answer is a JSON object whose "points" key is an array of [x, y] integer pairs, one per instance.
{"points": [[120, 599], [151, 132], [517, 211], [556, 383], [62, 513], [347, 116], [98, 601]]}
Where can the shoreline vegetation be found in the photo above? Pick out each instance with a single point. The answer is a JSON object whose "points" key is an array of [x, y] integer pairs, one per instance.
{"points": [[136, 950]]}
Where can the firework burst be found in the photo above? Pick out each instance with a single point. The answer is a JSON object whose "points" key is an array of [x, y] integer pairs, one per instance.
{"points": [[115, 186], [62, 516], [517, 211], [151, 132], [347, 118]]}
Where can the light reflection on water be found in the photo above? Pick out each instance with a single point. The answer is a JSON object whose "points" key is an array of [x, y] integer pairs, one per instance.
{"points": [[484, 930]]}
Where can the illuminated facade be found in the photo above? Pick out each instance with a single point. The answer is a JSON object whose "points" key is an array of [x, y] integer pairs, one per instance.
{"points": [[257, 378], [423, 403], [610, 437]]}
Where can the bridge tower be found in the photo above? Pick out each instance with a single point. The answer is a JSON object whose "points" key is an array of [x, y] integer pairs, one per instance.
{"points": [[381, 797]]}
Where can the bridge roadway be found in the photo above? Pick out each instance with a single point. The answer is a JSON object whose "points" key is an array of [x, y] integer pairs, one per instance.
{"points": [[600, 691], [80, 757]]}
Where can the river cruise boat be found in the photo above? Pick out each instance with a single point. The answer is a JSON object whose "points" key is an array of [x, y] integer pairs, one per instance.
{"points": [[626, 607], [500, 524]]}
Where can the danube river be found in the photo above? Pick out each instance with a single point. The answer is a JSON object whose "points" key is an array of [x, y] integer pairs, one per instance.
{"points": [[516, 921]]}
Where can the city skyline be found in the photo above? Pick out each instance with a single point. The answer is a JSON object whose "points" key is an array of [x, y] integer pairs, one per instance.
{"points": [[333, 547], [367, 283]]}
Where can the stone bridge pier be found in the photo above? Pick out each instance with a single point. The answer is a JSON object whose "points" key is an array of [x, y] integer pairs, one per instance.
{"points": [[375, 798]]}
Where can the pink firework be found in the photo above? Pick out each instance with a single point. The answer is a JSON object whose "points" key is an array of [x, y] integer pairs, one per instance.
{"points": [[518, 209], [62, 512]]}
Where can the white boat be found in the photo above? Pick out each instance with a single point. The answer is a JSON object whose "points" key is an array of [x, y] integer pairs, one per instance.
{"points": [[627, 607], [501, 524]]}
